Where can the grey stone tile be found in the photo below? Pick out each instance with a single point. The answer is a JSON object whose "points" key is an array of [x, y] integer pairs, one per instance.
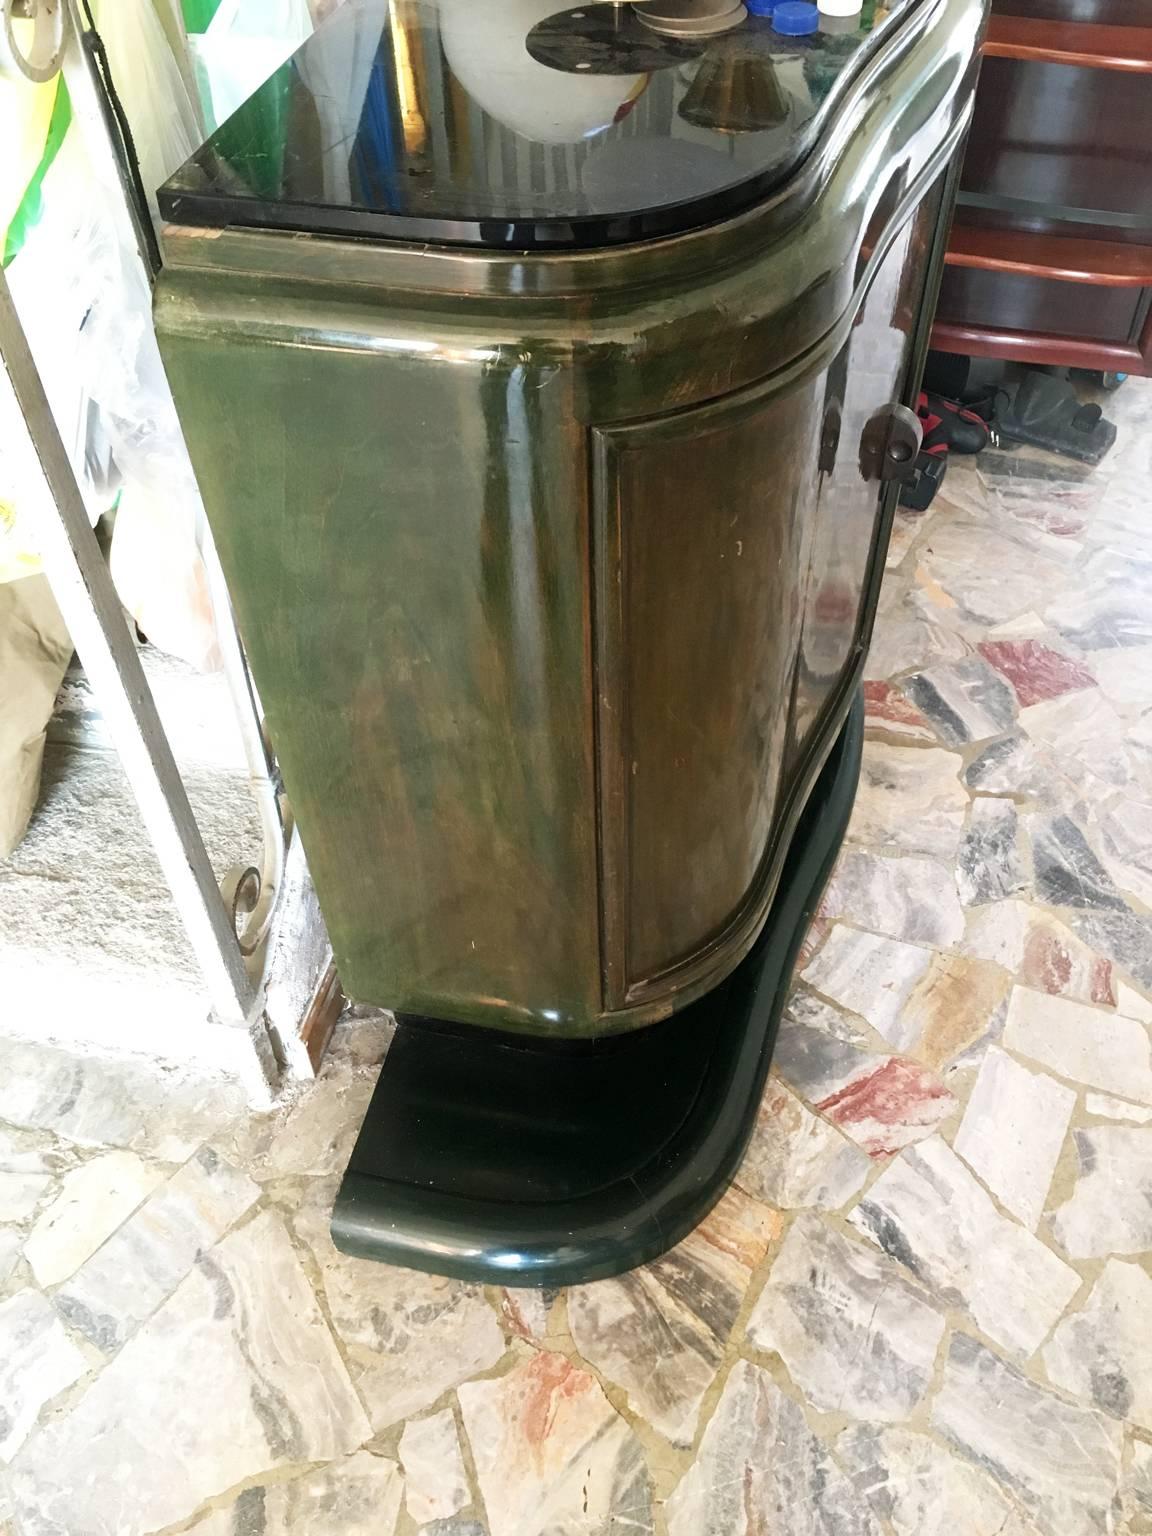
{"points": [[660, 1331], [157, 1247], [1103, 1352], [929, 1212], [856, 1337], [409, 1337], [37, 1361], [1062, 1462], [234, 1377], [921, 1489], [552, 1455], [1110, 1209], [352, 1497], [760, 1471]]}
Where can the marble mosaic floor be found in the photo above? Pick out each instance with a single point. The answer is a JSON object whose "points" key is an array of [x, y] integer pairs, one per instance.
{"points": [[925, 1308]]}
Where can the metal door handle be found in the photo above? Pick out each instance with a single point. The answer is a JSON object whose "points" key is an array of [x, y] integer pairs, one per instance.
{"points": [[890, 443]]}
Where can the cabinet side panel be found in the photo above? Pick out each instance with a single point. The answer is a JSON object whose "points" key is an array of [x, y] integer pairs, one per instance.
{"points": [[701, 527], [404, 531]]}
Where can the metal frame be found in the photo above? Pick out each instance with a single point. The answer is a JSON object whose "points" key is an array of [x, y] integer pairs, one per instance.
{"points": [[228, 930], [82, 585]]}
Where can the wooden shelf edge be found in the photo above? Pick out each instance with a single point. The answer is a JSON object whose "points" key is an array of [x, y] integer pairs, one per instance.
{"points": [[1102, 263], [1089, 45], [1034, 347]]}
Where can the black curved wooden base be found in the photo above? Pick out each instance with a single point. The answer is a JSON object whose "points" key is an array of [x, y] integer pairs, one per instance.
{"points": [[495, 1158]]}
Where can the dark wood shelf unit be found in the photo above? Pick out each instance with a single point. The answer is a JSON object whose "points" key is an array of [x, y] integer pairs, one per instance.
{"points": [[1088, 45], [1005, 291], [1100, 262]]}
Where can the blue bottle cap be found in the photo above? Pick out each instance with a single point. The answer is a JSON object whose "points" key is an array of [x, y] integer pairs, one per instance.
{"points": [[795, 18], [760, 7]]}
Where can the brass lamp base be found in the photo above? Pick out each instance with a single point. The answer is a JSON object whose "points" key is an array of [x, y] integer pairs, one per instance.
{"points": [[690, 18]]}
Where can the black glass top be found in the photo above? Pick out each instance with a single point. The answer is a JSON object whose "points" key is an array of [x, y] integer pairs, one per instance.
{"points": [[520, 124]]}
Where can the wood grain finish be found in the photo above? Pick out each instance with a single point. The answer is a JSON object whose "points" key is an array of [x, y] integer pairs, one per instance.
{"points": [[1042, 348], [398, 450], [1081, 44], [1059, 157], [702, 521], [1101, 262], [1114, 13]]}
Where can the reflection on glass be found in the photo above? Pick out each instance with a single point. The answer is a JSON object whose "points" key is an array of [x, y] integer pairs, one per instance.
{"points": [[432, 119]]}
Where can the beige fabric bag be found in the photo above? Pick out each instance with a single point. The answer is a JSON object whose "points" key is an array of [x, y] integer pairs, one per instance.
{"points": [[34, 652]]}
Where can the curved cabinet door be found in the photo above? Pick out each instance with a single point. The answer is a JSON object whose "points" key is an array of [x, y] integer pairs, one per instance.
{"points": [[737, 548], [699, 528], [848, 531]]}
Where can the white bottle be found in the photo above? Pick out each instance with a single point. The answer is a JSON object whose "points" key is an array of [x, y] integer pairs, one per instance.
{"points": [[839, 7]]}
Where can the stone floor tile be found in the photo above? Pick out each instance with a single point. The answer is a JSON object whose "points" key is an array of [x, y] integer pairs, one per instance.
{"points": [[964, 700], [313, 1135], [409, 1337], [921, 1489], [94, 1200], [1136, 1491], [929, 1212], [1099, 620], [1045, 954], [855, 1336], [1012, 765], [1008, 578], [11, 1240], [435, 1481], [989, 865], [1103, 1352], [353, 1497], [1035, 671], [909, 798], [37, 1361], [660, 1331], [905, 639], [1061, 1461], [29, 1152], [998, 932], [795, 1159], [889, 712], [819, 1047], [157, 1246], [871, 975], [1094, 1046], [1126, 847], [903, 898], [234, 1377], [761, 1471], [525, 1311], [552, 1456], [1012, 1132], [1117, 1109], [1055, 961], [1067, 872], [953, 1006], [124, 1103], [1086, 736], [1125, 677], [1125, 938], [22, 1193], [1110, 1209], [889, 1103]]}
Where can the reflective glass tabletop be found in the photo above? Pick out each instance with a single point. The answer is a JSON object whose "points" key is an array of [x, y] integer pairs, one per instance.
{"points": [[521, 124]]}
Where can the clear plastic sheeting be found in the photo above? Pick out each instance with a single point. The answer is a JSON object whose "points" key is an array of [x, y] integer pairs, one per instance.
{"points": [[34, 654], [244, 43], [155, 87]]}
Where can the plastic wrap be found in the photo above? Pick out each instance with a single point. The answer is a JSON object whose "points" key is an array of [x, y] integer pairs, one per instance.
{"points": [[34, 653], [245, 42], [156, 92]]}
